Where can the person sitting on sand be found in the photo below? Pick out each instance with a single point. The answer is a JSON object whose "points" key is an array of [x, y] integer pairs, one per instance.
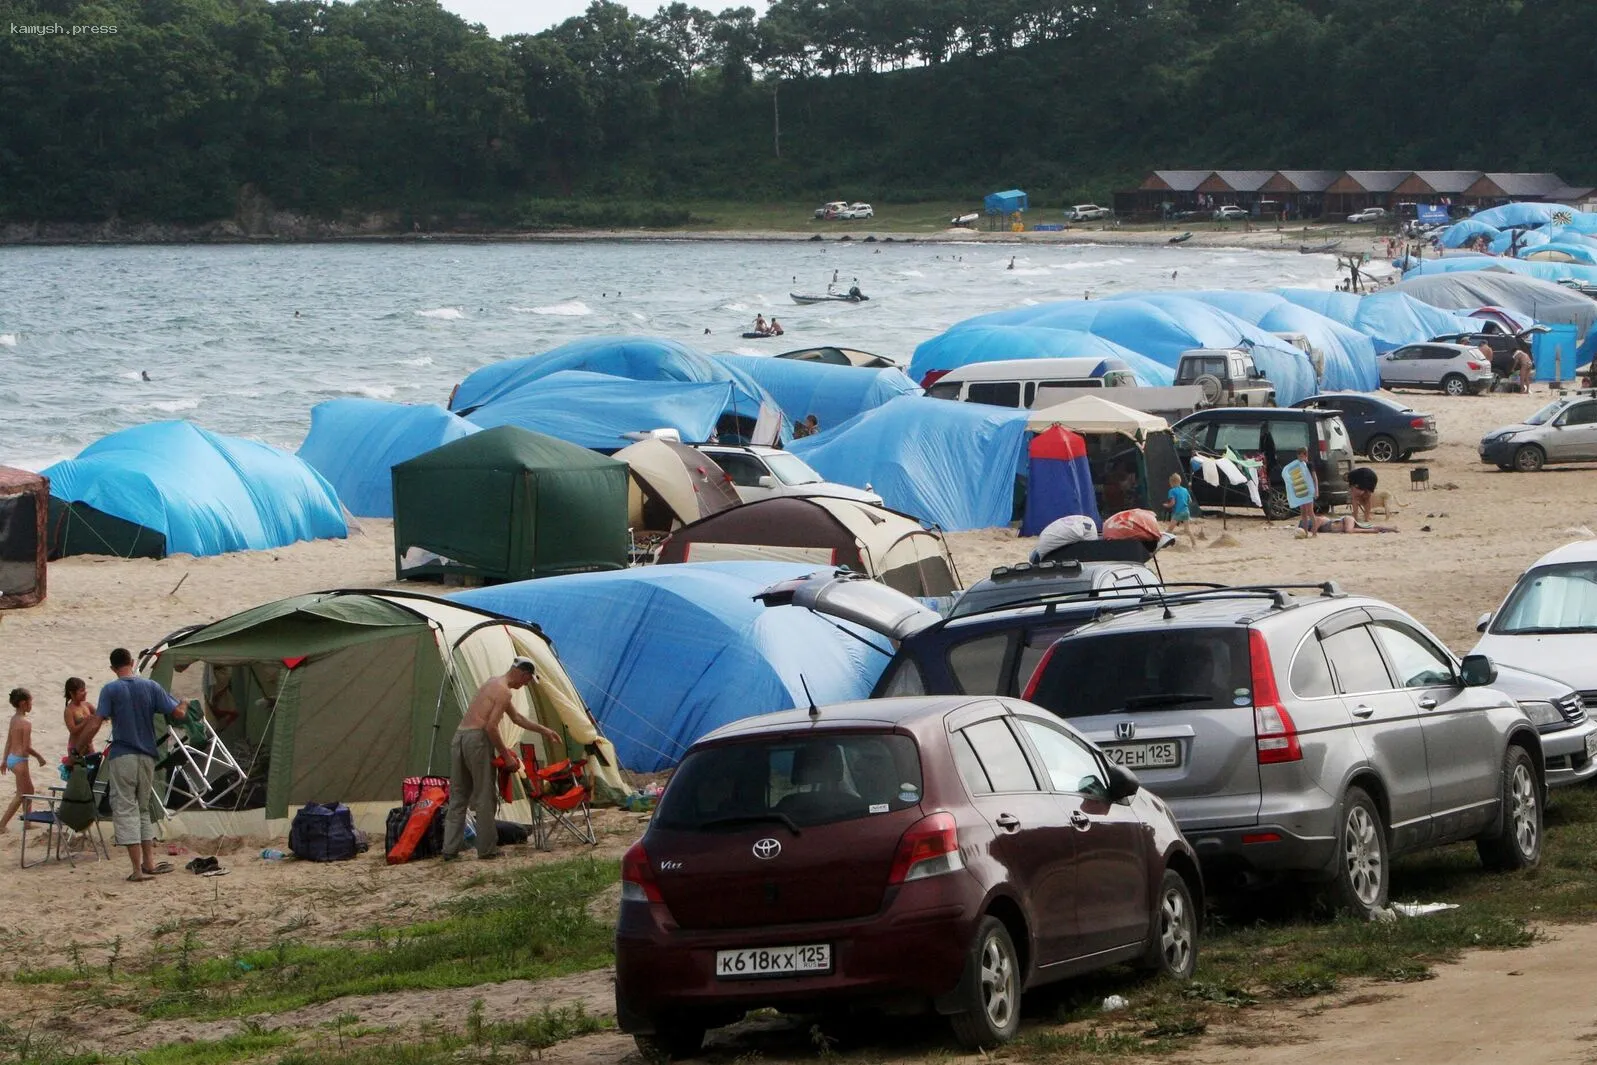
{"points": [[78, 716], [19, 748], [1345, 524], [760, 327]]}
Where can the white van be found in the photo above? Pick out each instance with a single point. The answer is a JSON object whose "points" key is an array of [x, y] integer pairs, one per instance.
{"points": [[1016, 382]]}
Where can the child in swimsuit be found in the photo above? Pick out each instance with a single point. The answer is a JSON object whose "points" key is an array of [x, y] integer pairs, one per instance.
{"points": [[19, 748], [78, 713]]}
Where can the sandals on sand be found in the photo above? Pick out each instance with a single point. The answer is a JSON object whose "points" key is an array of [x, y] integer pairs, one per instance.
{"points": [[161, 867], [139, 878]]}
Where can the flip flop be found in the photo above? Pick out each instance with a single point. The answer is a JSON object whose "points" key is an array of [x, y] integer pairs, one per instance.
{"points": [[160, 867], [216, 872], [138, 878]]}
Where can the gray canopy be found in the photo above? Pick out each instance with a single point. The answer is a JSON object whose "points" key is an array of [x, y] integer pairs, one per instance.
{"points": [[1539, 300]]}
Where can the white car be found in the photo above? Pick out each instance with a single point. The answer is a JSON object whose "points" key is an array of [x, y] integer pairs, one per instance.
{"points": [[1369, 214], [761, 472], [830, 210], [1456, 369], [1087, 212], [857, 211], [1229, 213]]}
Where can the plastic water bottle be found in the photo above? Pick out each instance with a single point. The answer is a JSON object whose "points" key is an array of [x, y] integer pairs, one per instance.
{"points": [[471, 833], [272, 854]]}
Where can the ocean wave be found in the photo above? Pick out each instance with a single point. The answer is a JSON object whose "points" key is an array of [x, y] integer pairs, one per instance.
{"points": [[564, 309], [372, 391], [420, 360], [169, 406], [8, 340], [448, 314], [910, 273]]}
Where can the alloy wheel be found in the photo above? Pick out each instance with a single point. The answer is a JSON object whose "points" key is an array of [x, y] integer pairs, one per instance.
{"points": [[1175, 931], [1363, 856], [1522, 809], [1382, 449], [997, 983]]}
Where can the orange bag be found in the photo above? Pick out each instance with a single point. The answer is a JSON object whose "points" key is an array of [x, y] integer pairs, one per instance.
{"points": [[1133, 525], [430, 805]]}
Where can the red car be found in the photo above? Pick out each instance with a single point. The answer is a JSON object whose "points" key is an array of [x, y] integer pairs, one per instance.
{"points": [[938, 851]]}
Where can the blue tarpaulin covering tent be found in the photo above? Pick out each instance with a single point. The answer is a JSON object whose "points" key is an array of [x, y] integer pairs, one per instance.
{"points": [[595, 410], [949, 463], [1389, 319], [1005, 202], [1349, 354], [1461, 233], [1059, 482], [833, 394], [664, 654], [167, 488], [995, 343], [1585, 254], [1526, 215], [355, 444]]}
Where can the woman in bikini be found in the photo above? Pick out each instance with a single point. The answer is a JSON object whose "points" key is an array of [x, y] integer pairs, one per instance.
{"points": [[78, 713]]}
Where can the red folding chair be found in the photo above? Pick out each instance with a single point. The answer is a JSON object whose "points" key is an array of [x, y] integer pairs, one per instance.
{"points": [[560, 798]]}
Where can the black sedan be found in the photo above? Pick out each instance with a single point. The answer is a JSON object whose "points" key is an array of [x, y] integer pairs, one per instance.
{"points": [[1381, 429]]}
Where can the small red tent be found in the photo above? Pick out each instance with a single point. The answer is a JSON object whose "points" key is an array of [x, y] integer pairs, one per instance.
{"points": [[24, 514]]}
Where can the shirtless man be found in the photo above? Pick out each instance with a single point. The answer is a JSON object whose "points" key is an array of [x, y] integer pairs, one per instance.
{"points": [[472, 781], [19, 748]]}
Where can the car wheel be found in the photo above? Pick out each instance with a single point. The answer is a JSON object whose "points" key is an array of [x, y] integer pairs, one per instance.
{"points": [[1275, 506], [673, 1040], [1405, 456], [1455, 385], [1518, 842], [1173, 951], [1381, 449], [1506, 467], [989, 1012], [1360, 885], [1529, 458]]}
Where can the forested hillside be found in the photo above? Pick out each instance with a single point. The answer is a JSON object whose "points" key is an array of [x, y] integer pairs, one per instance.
{"points": [[400, 105]]}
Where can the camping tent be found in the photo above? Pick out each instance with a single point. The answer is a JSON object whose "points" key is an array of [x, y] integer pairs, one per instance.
{"points": [[823, 530], [1390, 319], [1123, 447], [833, 394], [952, 464], [664, 654], [1091, 413], [24, 511], [355, 444], [173, 488], [1060, 481], [505, 504], [673, 484], [337, 696]]}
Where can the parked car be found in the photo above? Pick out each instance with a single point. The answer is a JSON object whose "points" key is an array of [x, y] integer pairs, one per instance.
{"points": [[1305, 736], [1380, 429], [1247, 431], [830, 210], [759, 472], [1502, 344], [1456, 369], [1564, 430], [949, 851], [1020, 382], [1088, 212], [1228, 376], [1230, 213], [1022, 582], [1369, 214], [857, 211]]}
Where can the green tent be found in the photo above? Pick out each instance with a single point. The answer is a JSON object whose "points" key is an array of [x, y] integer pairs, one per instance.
{"points": [[507, 504], [338, 696]]}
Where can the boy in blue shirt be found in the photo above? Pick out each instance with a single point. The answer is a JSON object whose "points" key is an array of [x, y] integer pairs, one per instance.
{"points": [[1179, 503]]}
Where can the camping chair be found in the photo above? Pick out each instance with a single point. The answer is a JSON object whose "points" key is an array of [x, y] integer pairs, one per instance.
{"points": [[559, 797], [61, 841], [200, 770]]}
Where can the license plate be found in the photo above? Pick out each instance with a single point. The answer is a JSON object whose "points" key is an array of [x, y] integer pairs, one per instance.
{"points": [[1161, 755], [1591, 746], [773, 961]]}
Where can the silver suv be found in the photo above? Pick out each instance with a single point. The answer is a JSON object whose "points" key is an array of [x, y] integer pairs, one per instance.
{"points": [[1308, 735]]}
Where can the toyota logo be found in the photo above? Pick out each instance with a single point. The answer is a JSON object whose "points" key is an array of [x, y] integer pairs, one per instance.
{"points": [[767, 848], [1126, 730]]}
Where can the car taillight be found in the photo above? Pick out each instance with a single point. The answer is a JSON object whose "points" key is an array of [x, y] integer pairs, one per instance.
{"points": [[1325, 448], [932, 377], [929, 847], [637, 878], [1036, 674], [1474, 366], [1418, 423], [1275, 736]]}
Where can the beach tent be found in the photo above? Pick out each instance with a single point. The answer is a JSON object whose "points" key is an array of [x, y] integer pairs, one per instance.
{"points": [[951, 464], [1461, 233], [598, 411], [1541, 301], [506, 504], [169, 488], [1390, 319], [355, 443], [1059, 482], [673, 484], [338, 696], [664, 654], [833, 394], [964, 345], [1523, 215], [1092, 413], [1005, 202], [24, 518], [836, 356], [1118, 440], [822, 530], [1348, 356]]}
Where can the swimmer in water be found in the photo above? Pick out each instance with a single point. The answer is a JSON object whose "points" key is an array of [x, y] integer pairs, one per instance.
{"points": [[144, 375], [1011, 262]]}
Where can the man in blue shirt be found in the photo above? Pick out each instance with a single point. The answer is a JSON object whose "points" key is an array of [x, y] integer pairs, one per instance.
{"points": [[131, 703]]}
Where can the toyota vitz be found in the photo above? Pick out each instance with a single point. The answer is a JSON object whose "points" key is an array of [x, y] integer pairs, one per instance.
{"points": [[942, 852]]}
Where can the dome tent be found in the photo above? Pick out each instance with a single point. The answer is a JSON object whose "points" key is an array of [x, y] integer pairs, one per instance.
{"points": [[355, 444], [673, 484], [167, 488]]}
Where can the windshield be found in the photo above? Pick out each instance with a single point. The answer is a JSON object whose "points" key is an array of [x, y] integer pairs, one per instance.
{"points": [[1551, 599], [1181, 669], [790, 469], [794, 781], [1547, 413]]}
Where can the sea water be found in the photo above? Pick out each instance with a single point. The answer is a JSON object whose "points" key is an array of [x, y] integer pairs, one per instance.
{"points": [[246, 339]]}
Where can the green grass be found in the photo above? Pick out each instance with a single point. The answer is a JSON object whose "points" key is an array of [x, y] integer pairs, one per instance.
{"points": [[239, 1047]]}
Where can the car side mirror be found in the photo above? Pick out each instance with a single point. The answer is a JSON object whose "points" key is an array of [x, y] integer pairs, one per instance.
{"points": [[1477, 671], [1123, 783], [1483, 621], [766, 481]]}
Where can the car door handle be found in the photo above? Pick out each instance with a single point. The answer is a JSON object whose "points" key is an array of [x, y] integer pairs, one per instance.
{"points": [[1007, 822], [1080, 820], [1362, 711], [1427, 703]]}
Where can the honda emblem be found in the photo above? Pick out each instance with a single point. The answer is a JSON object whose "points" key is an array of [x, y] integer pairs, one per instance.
{"points": [[767, 848], [1126, 730]]}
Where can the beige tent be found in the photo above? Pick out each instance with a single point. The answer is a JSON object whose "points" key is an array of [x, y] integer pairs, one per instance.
{"points": [[673, 484], [1093, 414]]}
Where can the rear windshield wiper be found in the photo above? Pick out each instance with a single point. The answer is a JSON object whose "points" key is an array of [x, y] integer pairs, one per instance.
{"points": [[1143, 702], [755, 819]]}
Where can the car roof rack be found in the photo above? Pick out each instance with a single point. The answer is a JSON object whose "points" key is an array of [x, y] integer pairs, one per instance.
{"points": [[1276, 593], [1132, 596]]}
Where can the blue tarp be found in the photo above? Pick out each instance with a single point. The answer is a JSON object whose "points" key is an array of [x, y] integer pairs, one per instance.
{"points": [[594, 410], [833, 394], [1349, 354], [1389, 319], [1519, 214], [208, 494], [355, 443], [965, 345], [1005, 202], [948, 463], [1555, 353], [1463, 264], [664, 654], [1584, 254], [1461, 233]]}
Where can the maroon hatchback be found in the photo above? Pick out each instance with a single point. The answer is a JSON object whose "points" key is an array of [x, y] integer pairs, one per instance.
{"points": [[942, 851]]}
